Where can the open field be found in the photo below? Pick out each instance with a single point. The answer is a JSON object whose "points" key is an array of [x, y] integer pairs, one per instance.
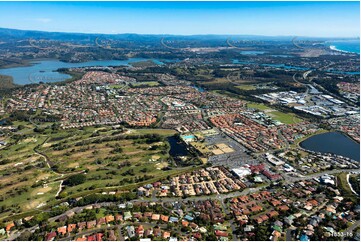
{"points": [[22, 171], [286, 118], [111, 159], [246, 87], [149, 84], [116, 86], [259, 106], [33, 164], [344, 187]]}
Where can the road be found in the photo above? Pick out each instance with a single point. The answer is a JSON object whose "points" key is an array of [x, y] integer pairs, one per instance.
{"points": [[288, 233], [60, 187], [311, 176], [307, 88], [231, 221]]}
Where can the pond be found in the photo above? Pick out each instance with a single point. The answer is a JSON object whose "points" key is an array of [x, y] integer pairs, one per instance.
{"points": [[177, 148]]}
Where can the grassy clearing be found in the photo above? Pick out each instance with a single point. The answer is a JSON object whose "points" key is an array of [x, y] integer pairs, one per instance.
{"points": [[344, 187], [84, 193], [165, 132], [259, 106], [108, 164], [116, 86], [107, 160], [149, 84], [286, 118], [21, 168], [246, 87]]}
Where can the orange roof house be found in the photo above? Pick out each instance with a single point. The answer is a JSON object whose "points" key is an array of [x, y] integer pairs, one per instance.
{"points": [[283, 208], [81, 239], [272, 214], [9, 226], [256, 208], [164, 218], [185, 223], [166, 234], [91, 224], [275, 202], [71, 227], [109, 218], [155, 217], [62, 230]]}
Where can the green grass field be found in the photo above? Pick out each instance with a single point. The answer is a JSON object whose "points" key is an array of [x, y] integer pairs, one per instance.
{"points": [[286, 118], [149, 84], [344, 187], [259, 106], [246, 87], [108, 163], [116, 86]]}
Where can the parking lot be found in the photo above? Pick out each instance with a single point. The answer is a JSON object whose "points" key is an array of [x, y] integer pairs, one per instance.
{"points": [[232, 160]]}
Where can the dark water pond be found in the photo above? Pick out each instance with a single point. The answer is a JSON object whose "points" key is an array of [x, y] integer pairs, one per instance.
{"points": [[177, 148]]}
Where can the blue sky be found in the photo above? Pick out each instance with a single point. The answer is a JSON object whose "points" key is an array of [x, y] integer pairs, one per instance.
{"points": [[320, 19]]}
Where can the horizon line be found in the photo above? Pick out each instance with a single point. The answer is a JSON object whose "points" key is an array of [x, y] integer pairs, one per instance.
{"points": [[169, 34]]}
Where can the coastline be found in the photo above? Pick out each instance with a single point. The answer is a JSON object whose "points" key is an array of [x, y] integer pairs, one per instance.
{"points": [[7, 82], [334, 48]]}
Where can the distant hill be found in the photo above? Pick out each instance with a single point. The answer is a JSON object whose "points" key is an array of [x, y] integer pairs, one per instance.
{"points": [[63, 36]]}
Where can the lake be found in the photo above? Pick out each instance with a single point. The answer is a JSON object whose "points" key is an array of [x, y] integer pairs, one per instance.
{"points": [[200, 89], [45, 70], [283, 56], [283, 66], [287, 67], [252, 52], [333, 142]]}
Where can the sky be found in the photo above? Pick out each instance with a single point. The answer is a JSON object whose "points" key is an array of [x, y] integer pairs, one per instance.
{"points": [[313, 19]]}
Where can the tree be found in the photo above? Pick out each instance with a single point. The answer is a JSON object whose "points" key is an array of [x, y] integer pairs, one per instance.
{"points": [[75, 180]]}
